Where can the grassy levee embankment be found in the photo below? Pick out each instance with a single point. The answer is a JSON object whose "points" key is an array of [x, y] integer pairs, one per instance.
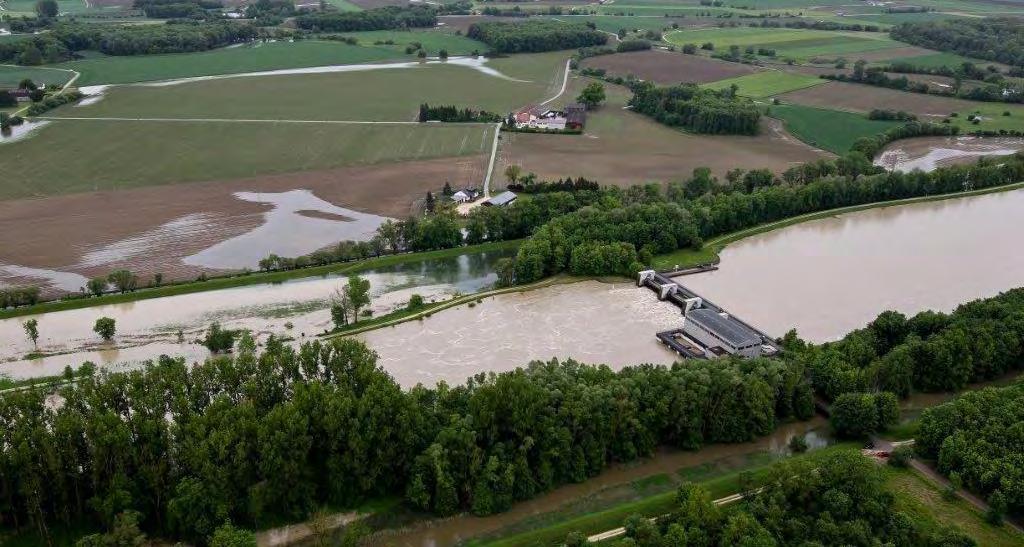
{"points": [[254, 278], [709, 252], [652, 506], [401, 316]]}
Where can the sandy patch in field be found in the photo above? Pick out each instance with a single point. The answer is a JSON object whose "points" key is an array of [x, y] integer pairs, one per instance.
{"points": [[862, 98], [623, 148], [150, 230], [667, 67]]}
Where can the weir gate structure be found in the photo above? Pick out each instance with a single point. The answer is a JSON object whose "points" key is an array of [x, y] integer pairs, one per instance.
{"points": [[708, 331]]}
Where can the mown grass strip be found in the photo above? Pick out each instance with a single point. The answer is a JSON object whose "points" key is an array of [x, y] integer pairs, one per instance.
{"points": [[401, 316]]}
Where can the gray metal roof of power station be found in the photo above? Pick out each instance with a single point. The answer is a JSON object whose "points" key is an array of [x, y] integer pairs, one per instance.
{"points": [[732, 331]]}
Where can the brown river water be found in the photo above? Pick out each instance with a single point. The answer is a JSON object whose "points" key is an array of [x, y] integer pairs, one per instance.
{"points": [[830, 276]]}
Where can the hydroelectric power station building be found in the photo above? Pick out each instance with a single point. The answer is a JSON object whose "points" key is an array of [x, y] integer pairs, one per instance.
{"points": [[708, 331], [719, 331]]}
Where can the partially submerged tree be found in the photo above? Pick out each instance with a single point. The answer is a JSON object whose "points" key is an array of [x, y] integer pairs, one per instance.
{"points": [[123, 280], [32, 330], [97, 285], [218, 339], [106, 327], [358, 293]]}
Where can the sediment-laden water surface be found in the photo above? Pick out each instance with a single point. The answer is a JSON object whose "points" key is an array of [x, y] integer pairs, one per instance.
{"points": [[592, 322], [928, 153], [830, 276], [297, 309]]}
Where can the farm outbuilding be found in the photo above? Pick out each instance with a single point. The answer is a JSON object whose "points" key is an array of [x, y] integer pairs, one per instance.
{"points": [[500, 200]]}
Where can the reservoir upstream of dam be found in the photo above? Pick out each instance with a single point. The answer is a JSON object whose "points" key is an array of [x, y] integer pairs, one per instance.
{"points": [[824, 277]]}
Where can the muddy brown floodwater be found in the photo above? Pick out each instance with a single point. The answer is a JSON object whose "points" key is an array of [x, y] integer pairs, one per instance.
{"points": [[830, 276], [592, 322], [928, 153]]}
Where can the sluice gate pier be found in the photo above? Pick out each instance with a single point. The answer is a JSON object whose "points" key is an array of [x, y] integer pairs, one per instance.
{"points": [[708, 330]]}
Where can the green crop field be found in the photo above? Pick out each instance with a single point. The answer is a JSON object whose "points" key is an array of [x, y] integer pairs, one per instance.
{"points": [[897, 18], [11, 75], [101, 69], [766, 84], [936, 60], [612, 23], [102, 155], [344, 5], [830, 130], [431, 40], [795, 43], [392, 94], [992, 117], [20, 7]]}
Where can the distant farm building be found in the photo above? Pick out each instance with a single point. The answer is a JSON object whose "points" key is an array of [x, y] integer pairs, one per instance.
{"points": [[500, 200], [465, 196], [21, 95], [573, 117]]}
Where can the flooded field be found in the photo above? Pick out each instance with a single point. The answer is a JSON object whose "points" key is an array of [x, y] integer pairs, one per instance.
{"points": [[295, 223], [298, 224], [827, 277], [592, 322], [296, 309], [18, 132], [928, 153]]}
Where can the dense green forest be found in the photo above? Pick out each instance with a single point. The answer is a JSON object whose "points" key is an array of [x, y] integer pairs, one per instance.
{"points": [[255, 438], [386, 18], [535, 35], [998, 39], [696, 109], [172, 37], [840, 500], [979, 437], [931, 351]]}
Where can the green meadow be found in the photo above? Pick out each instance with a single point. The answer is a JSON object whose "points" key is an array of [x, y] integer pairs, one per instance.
{"points": [[766, 84], [102, 69], [830, 130], [384, 94]]}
